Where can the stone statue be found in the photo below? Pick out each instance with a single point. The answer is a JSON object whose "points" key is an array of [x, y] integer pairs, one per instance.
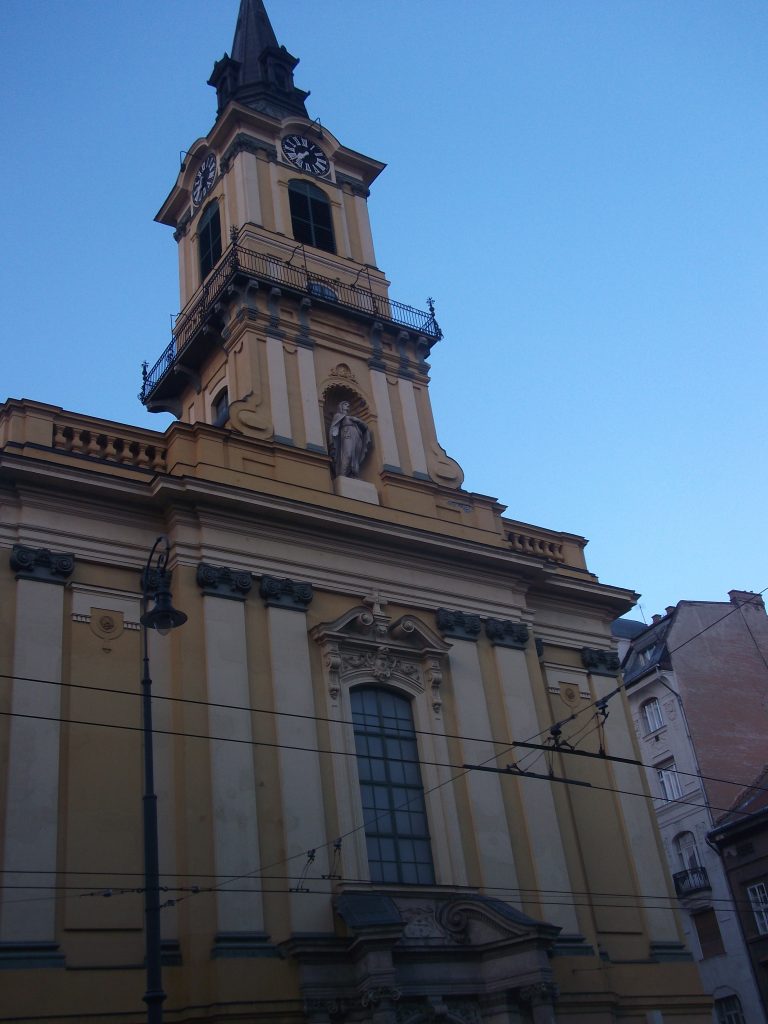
{"points": [[350, 440]]}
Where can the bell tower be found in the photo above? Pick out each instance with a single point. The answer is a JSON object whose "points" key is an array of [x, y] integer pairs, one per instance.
{"points": [[287, 334]]}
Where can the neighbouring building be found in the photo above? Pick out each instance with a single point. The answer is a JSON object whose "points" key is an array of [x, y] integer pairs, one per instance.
{"points": [[365, 640], [696, 682], [741, 839]]}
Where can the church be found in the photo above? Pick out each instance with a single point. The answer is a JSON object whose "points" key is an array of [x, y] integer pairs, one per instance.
{"points": [[394, 776]]}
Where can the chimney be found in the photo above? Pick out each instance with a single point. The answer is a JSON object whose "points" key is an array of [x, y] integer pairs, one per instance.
{"points": [[742, 597], [656, 618], [669, 609]]}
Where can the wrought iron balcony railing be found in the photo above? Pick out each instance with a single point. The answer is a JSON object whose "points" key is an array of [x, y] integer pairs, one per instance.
{"points": [[691, 881], [240, 261]]}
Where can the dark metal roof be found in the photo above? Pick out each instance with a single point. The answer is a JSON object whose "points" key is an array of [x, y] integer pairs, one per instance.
{"points": [[627, 629], [259, 74]]}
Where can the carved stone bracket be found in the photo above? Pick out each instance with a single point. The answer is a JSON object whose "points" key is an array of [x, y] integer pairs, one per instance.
{"points": [[323, 1009], [41, 564], [540, 993], [458, 625], [379, 994], [364, 645], [505, 633], [219, 581], [600, 663], [285, 593], [243, 143]]}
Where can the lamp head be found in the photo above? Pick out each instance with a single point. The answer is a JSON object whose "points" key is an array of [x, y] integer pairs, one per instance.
{"points": [[163, 617]]}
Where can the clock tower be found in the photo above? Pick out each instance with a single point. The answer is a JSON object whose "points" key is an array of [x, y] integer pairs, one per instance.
{"points": [[285, 314]]}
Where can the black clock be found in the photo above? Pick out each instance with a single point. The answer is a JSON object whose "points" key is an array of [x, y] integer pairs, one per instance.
{"points": [[305, 155], [204, 179]]}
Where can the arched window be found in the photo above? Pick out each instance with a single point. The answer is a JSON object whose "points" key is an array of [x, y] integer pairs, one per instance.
{"points": [[728, 1009], [209, 239], [311, 215], [687, 851], [394, 812], [220, 408], [652, 717]]}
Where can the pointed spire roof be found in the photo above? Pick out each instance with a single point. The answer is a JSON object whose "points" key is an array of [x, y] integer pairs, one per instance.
{"points": [[259, 74]]}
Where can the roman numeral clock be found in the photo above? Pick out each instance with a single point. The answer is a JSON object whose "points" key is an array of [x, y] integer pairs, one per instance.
{"points": [[305, 155]]}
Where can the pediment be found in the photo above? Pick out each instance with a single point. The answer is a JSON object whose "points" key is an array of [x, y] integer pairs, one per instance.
{"points": [[427, 919], [364, 645]]}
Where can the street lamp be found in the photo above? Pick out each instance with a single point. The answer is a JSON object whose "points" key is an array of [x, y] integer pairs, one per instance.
{"points": [[155, 585]]}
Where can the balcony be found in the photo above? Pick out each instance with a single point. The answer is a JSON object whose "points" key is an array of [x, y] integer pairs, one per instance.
{"points": [[691, 881], [239, 264]]}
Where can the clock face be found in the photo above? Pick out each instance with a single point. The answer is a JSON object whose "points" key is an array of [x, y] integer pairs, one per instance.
{"points": [[306, 155], [204, 179]]}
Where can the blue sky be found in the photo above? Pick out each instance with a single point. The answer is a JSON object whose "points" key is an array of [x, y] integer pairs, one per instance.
{"points": [[580, 184]]}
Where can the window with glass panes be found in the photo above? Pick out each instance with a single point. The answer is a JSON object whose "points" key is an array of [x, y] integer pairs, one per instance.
{"points": [[652, 719], [396, 831], [758, 899], [668, 781], [209, 239], [729, 1010], [311, 215]]}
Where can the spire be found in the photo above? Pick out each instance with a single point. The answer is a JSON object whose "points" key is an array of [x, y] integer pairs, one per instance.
{"points": [[259, 74]]}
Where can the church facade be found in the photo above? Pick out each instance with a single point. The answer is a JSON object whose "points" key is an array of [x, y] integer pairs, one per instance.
{"points": [[347, 829]]}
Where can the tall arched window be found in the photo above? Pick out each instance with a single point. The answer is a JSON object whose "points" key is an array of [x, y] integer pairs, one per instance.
{"points": [[209, 239], [311, 215], [687, 851], [394, 812]]}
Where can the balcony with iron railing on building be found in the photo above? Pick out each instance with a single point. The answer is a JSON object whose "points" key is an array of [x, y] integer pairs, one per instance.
{"points": [[240, 264], [691, 881]]}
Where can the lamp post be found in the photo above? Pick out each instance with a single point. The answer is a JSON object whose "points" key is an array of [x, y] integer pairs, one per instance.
{"points": [[155, 585]]}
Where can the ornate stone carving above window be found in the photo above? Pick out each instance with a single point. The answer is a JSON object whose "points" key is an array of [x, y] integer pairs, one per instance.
{"points": [[366, 646]]}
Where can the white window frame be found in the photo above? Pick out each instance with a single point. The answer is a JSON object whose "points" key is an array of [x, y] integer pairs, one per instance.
{"points": [[653, 719], [729, 1011], [669, 782], [758, 900], [687, 851]]}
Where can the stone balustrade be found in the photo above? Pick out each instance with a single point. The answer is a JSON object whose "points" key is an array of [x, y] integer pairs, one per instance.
{"points": [[538, 545], [122, 449]]}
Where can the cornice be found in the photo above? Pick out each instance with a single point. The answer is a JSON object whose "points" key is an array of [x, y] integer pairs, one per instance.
{"points": [[549, 582]]}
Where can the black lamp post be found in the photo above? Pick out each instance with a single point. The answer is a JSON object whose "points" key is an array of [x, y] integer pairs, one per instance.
{"points": [[155, 584]]}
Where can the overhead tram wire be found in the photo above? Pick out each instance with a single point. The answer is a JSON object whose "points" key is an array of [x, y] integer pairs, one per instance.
{"points": [[462, 773], [338, 721], [343, 753]]}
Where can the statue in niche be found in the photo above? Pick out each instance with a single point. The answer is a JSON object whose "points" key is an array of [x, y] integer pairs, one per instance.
{"points": [[350, 440]]}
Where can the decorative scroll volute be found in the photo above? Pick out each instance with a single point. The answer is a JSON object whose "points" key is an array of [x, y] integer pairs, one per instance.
{"points": [[364, 646]]}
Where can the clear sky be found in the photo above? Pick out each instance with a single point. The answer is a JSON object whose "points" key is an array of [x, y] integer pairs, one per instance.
{"points": [[580, 184]]}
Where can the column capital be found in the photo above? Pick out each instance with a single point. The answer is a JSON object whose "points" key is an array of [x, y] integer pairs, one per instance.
{"points": [[600, 663], [285, 593], [41, 564], [221, 581], [458, 625], [505, 633]]}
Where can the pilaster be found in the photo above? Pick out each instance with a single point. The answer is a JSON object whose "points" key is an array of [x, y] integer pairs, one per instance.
{"points": [[297, 739], [509, 641], [27, 923], [489, 824], [233, 782]]}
